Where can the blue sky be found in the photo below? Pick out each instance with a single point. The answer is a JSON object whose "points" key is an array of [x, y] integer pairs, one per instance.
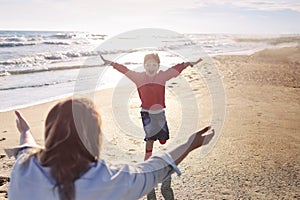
{"points": [[184, 16]]}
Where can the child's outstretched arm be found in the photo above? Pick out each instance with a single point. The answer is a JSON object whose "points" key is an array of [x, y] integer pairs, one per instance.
{"points": [[192, 64], [121, 68], [177, 69], [132, 75]]}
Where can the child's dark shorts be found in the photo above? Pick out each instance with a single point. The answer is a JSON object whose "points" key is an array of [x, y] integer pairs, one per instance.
{"points": [[155, 126]]}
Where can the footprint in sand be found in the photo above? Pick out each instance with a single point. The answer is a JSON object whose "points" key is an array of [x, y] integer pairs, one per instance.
{"points": [[2, 139], [3, 180], [131, 149], [6, 195]]}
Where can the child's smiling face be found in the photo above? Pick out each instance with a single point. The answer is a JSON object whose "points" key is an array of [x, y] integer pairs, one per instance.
{"points": [[151, 67]]}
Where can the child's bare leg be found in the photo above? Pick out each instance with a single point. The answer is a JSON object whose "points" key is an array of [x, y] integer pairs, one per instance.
{"points": [[148, 153], [149, 147]]}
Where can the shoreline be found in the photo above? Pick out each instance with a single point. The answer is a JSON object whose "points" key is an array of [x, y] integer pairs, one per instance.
{"points": [[213, 57]]}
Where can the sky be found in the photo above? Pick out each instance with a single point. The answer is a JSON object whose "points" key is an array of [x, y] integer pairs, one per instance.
{"points": [[183, 16]]}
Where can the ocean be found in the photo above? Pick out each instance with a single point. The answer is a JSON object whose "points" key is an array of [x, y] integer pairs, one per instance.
{"points": [[40, 66]]}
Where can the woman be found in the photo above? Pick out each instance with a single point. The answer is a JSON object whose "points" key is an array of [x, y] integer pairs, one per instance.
{"points": [[69, 167]]}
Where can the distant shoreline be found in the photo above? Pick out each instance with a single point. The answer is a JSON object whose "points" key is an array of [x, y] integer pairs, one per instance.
{"points": [[49, 67], [257, 54]]}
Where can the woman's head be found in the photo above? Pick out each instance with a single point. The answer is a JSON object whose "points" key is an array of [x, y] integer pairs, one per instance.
{"points": [[151, 63], [72, 142], [74, 124]]}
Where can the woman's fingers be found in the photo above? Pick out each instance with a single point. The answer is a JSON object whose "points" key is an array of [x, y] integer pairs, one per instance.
{"points": [[204, 130], [18, 114], [22, 124], [208, 137], [198, 139]]}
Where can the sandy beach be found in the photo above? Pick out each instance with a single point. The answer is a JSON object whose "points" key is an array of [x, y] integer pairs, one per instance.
{"points": [[257, 155]]}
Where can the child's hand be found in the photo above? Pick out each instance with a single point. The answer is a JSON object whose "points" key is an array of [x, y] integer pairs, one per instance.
{"points": [[196, 62], [106, 62]]}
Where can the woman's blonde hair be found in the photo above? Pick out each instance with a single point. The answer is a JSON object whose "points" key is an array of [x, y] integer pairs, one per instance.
{"points": [[72, 141]]}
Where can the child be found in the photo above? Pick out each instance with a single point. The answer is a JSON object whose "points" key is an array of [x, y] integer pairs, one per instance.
{"points": [[151, 89]]}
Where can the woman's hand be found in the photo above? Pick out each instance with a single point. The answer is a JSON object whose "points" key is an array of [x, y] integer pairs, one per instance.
{"points": [[195, 141], [23, 127], [22, 124], [198, 139]]}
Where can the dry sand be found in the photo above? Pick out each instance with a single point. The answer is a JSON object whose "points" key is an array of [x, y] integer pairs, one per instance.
{"points": [[257, 155]]}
